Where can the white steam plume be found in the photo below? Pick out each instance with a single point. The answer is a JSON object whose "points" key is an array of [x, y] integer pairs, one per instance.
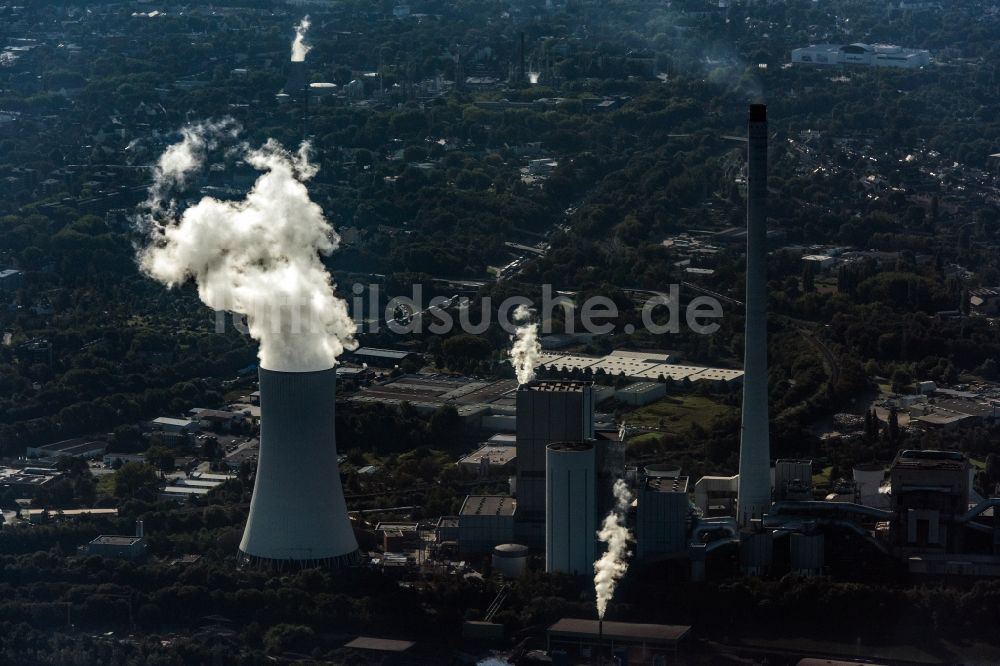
{"points": [[612, 564], [526, 348], [259, 257], [179, 160], [299, 46]]}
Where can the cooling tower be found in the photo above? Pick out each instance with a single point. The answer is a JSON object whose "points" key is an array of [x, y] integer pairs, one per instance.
{"points": [[754, 491], [298, 518], [570, 507]]}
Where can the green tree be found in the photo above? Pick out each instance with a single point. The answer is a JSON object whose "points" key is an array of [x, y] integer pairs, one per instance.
{"points": [[136, 481], [160, 457]]}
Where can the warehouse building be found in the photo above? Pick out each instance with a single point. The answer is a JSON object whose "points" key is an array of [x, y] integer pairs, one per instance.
{"points": [[490, 459], [118, 546], [378, 358], [642, 393], [632, 643], [73, 448], [871, 55], [25, 482]]}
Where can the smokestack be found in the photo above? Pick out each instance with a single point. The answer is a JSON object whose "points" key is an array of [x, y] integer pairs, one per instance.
{"points": [[520, 70], [297, 82], [298, 517], [754, 492]]}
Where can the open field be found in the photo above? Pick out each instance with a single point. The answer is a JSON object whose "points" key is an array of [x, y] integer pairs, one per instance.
{"points": [[675, 414]]}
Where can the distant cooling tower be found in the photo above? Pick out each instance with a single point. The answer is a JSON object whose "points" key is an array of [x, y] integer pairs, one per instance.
{"points": [[754, 492], [298, 518]]}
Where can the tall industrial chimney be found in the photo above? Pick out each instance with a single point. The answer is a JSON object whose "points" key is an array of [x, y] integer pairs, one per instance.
{"points": [[520, 66], [754, 491], [298, 517], [297, 83]]}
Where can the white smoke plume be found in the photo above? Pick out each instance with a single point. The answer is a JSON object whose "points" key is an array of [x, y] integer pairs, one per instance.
{"points": [[299, 46], [613, 564], [181, 159], [259, 257], [526, 348]]}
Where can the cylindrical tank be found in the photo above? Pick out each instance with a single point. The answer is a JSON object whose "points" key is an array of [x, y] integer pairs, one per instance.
{"points": [[298, 517], [868, 478], [570, 507], [806, 551], [510, 560]]}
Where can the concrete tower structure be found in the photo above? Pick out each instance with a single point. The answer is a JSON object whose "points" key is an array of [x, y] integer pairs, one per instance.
{"points": [[547, 412], [296, 85], [570, 507], [754, 490], [298, 517]]}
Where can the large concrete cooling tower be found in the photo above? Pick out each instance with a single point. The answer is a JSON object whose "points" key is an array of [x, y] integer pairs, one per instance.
{"points": [[298, 518], [754, 491]]}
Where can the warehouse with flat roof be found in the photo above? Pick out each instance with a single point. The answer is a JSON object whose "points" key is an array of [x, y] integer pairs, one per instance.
{"points": [[643, 643]]}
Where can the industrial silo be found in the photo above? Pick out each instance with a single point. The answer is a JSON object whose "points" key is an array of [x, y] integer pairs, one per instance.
{"points": [[570, 508], [298, 517], [510, 560]]}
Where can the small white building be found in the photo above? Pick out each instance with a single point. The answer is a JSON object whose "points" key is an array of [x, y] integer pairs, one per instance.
{"points": [[818, 262]]}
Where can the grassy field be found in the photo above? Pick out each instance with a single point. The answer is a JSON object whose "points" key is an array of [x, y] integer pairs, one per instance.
{"points": [[676, 413], [822, 478]]}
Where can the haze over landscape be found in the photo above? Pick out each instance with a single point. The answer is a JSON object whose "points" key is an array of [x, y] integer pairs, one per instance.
{"points": [[500, 333]]}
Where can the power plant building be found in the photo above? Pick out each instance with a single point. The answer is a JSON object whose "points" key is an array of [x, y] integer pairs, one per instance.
{"points": [[484, 522], [298, 516], [792, 479], [547, 412], [929, 488], [571, 507], [662, 518]]}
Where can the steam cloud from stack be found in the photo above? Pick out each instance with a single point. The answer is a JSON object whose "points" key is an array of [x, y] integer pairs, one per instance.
{"points": [[259, 257], [612, 565], [526, 349], [299, 46]]}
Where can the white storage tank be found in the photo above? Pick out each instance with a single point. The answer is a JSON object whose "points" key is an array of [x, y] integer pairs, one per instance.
{"points": [[570, 507], [806, 553], [510, 560]]}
